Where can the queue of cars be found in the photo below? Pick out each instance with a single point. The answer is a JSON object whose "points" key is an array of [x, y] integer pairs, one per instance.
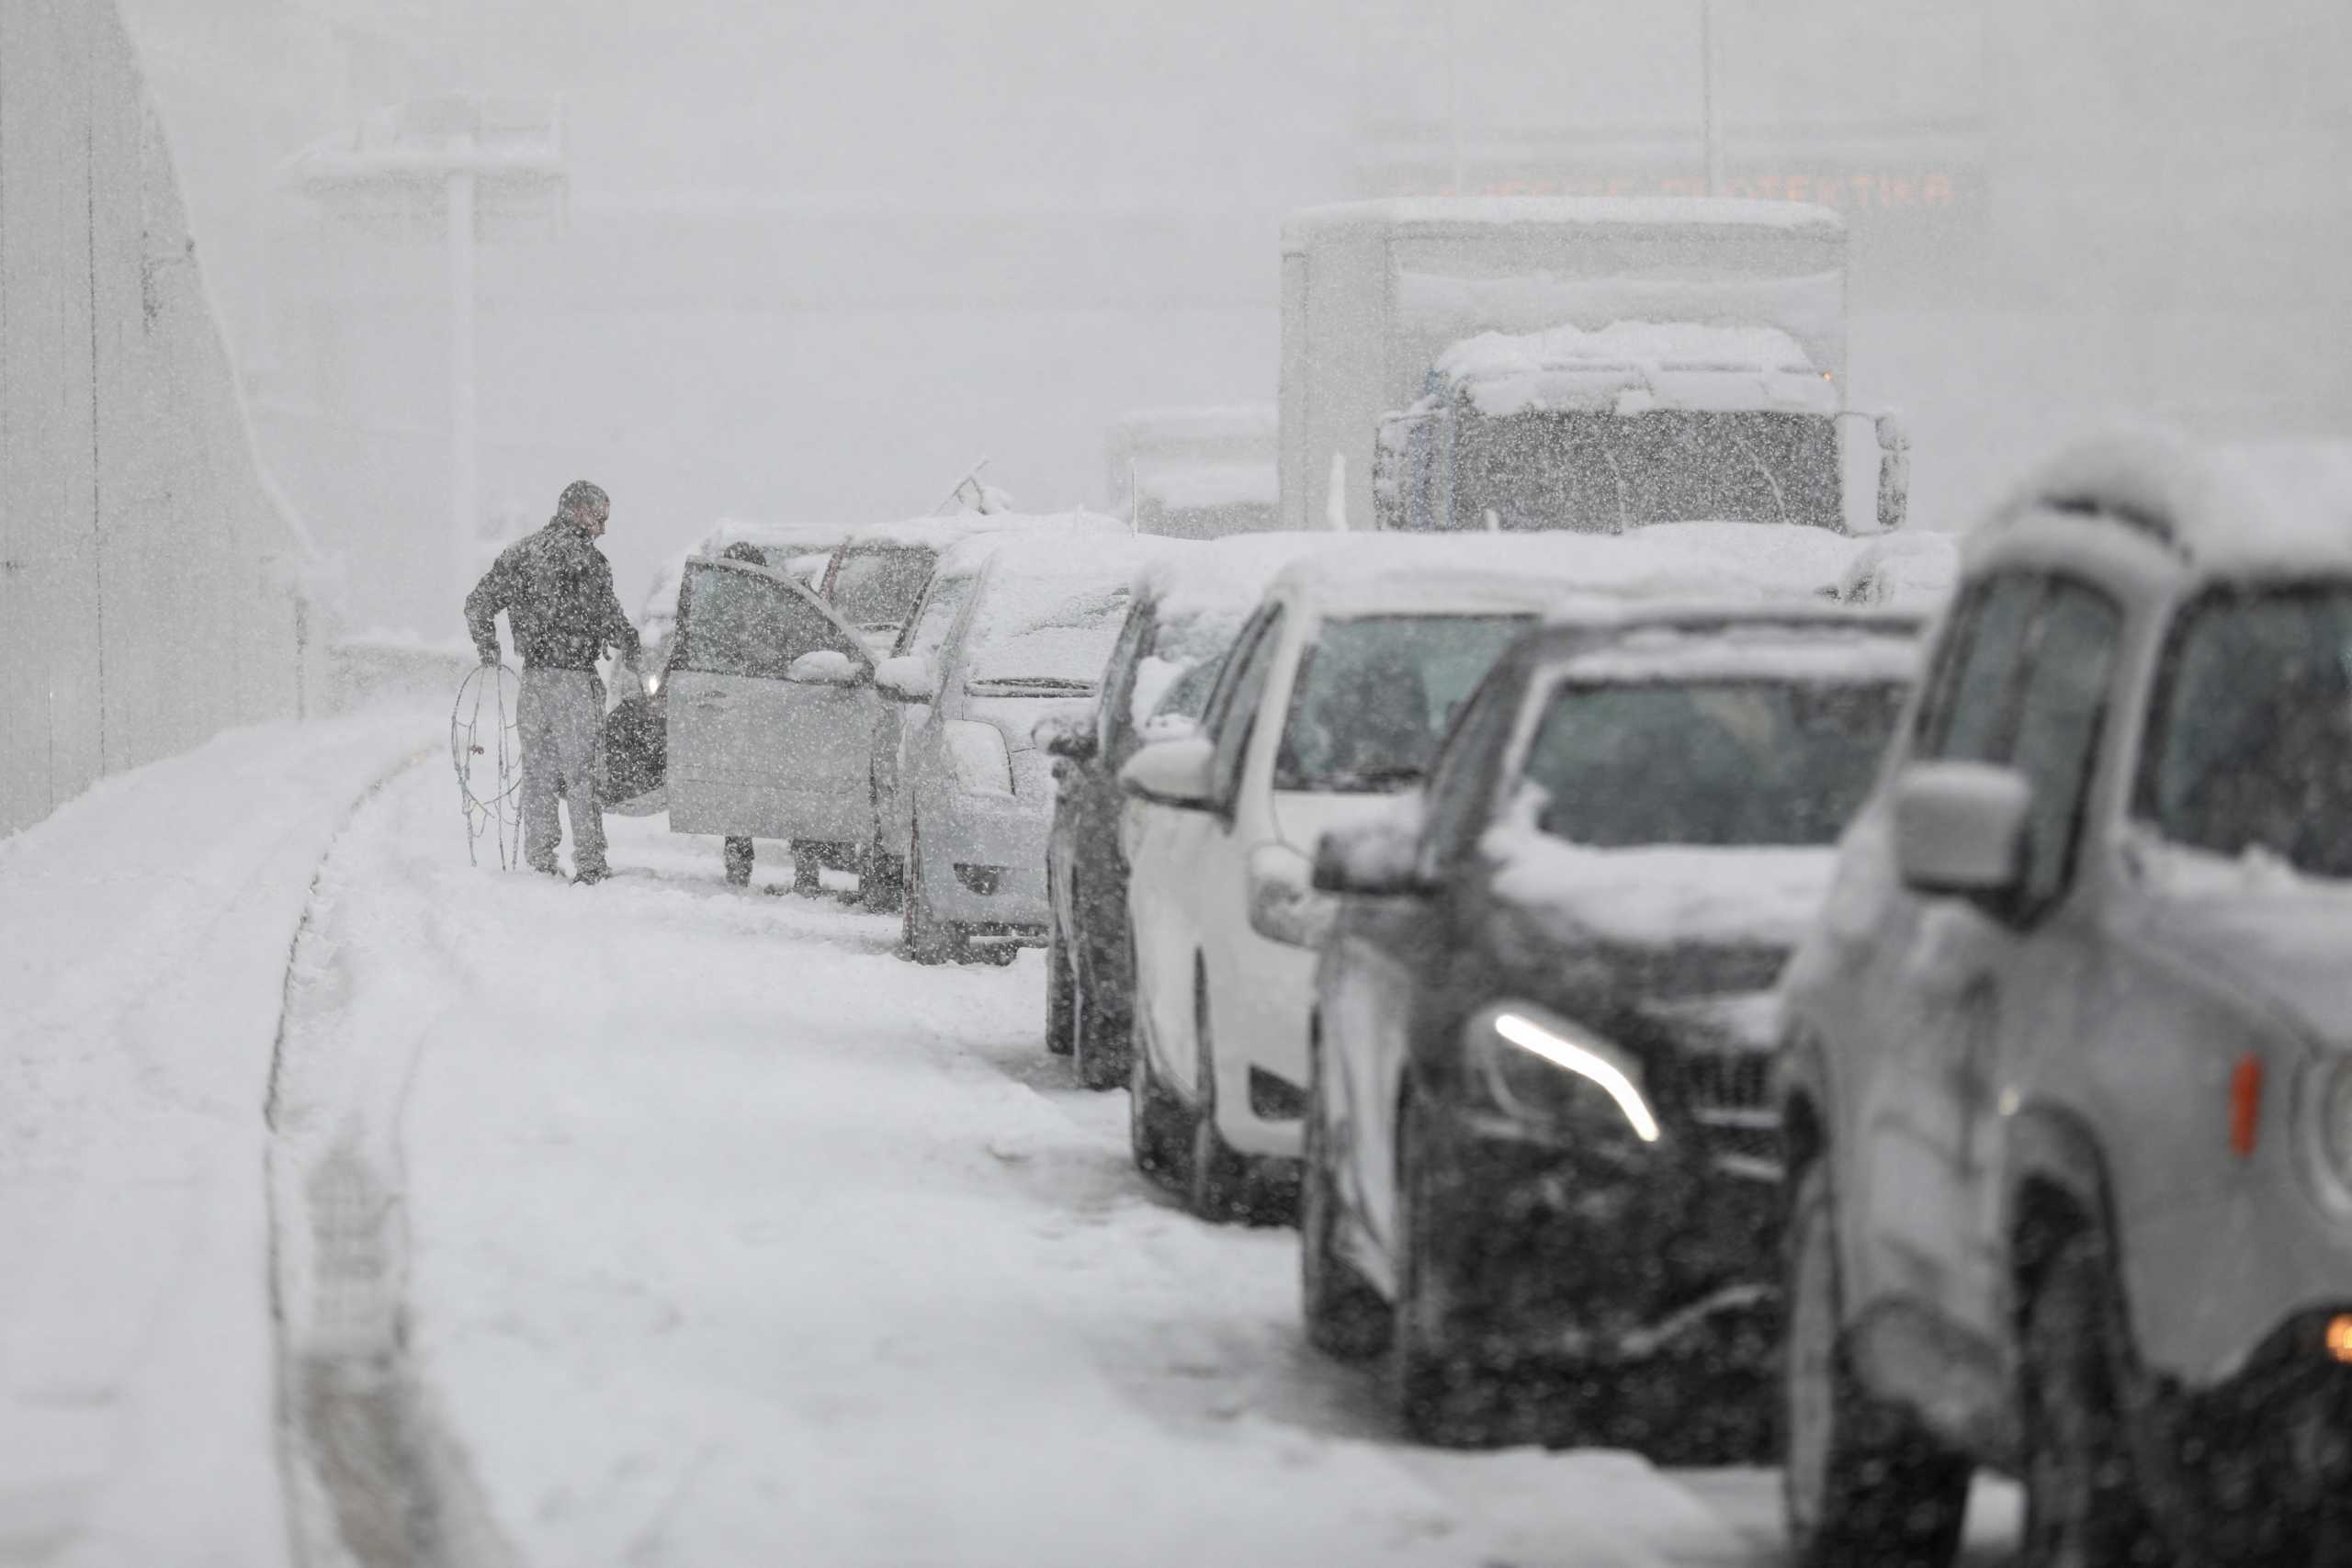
{"points": [[1682, 1004]]}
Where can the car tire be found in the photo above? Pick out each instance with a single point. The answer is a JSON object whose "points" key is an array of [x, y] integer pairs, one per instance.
{"points": [[1160, 1125], [1060, 986], [736, 853], [808, 872], [1862, 1485], [2084, 1501], [1346, 1319], [1444, 1395], [924, 938], [1097, 1040], [881, 881], [1228, 1187]]}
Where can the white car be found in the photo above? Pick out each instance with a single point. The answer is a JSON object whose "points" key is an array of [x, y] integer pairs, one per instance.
{"points": [[876, 575], [1331, 702], [955, 563], [1029, 643]]}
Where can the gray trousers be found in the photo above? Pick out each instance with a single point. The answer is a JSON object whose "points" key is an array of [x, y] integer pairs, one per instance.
{"points": [[561, 715]]}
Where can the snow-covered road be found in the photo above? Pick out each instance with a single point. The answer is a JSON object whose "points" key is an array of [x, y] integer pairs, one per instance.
{"points": [[662, 1222]]}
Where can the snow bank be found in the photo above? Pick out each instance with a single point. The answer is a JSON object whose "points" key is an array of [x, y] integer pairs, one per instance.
{"points": [[1659, 896], [144, 929]]}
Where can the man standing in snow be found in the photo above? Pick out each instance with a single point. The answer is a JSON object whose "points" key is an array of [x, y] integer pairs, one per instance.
{"points": [[557, 589]]}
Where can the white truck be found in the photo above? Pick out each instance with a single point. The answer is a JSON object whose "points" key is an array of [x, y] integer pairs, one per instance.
{"points": [[1514, 363]]}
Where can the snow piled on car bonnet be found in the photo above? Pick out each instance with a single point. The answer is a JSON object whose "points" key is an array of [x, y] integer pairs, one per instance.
{"points": [[1661, 895]]}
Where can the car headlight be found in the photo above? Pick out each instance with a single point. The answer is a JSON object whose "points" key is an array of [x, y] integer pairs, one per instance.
{"points": [[1545, 1070], [976, 752]]}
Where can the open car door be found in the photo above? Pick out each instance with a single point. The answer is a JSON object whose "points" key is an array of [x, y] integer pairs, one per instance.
{"points": [[772, 710]]}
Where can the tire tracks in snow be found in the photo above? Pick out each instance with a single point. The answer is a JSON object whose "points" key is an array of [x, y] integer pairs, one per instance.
{"points": [[374, 1476]]}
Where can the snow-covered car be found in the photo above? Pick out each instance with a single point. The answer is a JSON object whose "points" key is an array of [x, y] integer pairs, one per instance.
{"points": [[1188, 606], [876, 576], [791, 546], [955, 570], [1029, 646], [1541, 1167], [2068, 1073], [771, 700], [1333, 702]]}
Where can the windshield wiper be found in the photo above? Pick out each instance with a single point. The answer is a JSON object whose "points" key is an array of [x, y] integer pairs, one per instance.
{"points": [[1033, 683]]}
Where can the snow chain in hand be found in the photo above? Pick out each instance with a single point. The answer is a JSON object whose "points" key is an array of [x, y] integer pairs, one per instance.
{"points": [[486, 748]]}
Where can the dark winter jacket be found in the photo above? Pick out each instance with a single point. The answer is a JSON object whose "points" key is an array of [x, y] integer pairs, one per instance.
{"points": [[557, 589]]}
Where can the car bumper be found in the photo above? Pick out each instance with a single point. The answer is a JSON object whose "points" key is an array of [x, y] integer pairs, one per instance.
{"points": [[2263, 1461], [1550, 1251], [998, 843]]}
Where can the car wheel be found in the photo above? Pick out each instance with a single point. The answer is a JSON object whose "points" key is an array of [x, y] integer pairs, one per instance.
{"points": [[1862, 1485], [807, 879], [1060, 985], [881, 881], [1345, 1317], [2083, 1505], [1227, 1186], [1097, 1040], [1160, 1125], [925, 940], [1442, 1393], [737, 855]]}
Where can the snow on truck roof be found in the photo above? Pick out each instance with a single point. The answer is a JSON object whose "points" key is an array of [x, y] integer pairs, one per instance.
{"points": [[1460, 213], [1634, 366], [2258, 506]]}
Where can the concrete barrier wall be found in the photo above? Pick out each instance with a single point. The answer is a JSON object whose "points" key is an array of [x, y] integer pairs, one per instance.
{"points": [[150, 583]]}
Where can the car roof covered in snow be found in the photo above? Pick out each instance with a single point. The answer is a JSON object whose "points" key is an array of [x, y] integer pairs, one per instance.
{"points": [[1697, 642], [943, 531], [1230, 573], [2274, 508], [1454, 214], [1116, 555]]}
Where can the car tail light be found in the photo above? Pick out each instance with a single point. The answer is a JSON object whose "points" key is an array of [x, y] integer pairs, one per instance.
{"points": [[2245, 1104]]}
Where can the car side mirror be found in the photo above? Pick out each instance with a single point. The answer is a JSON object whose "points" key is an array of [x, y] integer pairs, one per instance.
{"points": [[1372, 859], [828, 666], [910, 678], [1284, 904], [1960, 828], [1173, 773], [1068, 737]]}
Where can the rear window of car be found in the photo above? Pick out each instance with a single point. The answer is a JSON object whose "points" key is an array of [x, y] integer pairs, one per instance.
{"points": [[879, 587]]}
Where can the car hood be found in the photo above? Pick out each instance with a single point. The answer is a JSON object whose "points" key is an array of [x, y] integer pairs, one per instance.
{"points": [[2260, 928], [1663, 898], [1302, 817]]}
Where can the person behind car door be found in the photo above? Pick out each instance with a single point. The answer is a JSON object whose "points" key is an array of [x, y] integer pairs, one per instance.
{"points": [[557, 589], [737, 851]]}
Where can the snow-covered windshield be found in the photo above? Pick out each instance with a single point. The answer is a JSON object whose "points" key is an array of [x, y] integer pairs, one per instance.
{"points": [[1611, 471], [879, 587], [1375, 694], [2251, 741], [1174, 677], [1749, 763], [1042, 637]]}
